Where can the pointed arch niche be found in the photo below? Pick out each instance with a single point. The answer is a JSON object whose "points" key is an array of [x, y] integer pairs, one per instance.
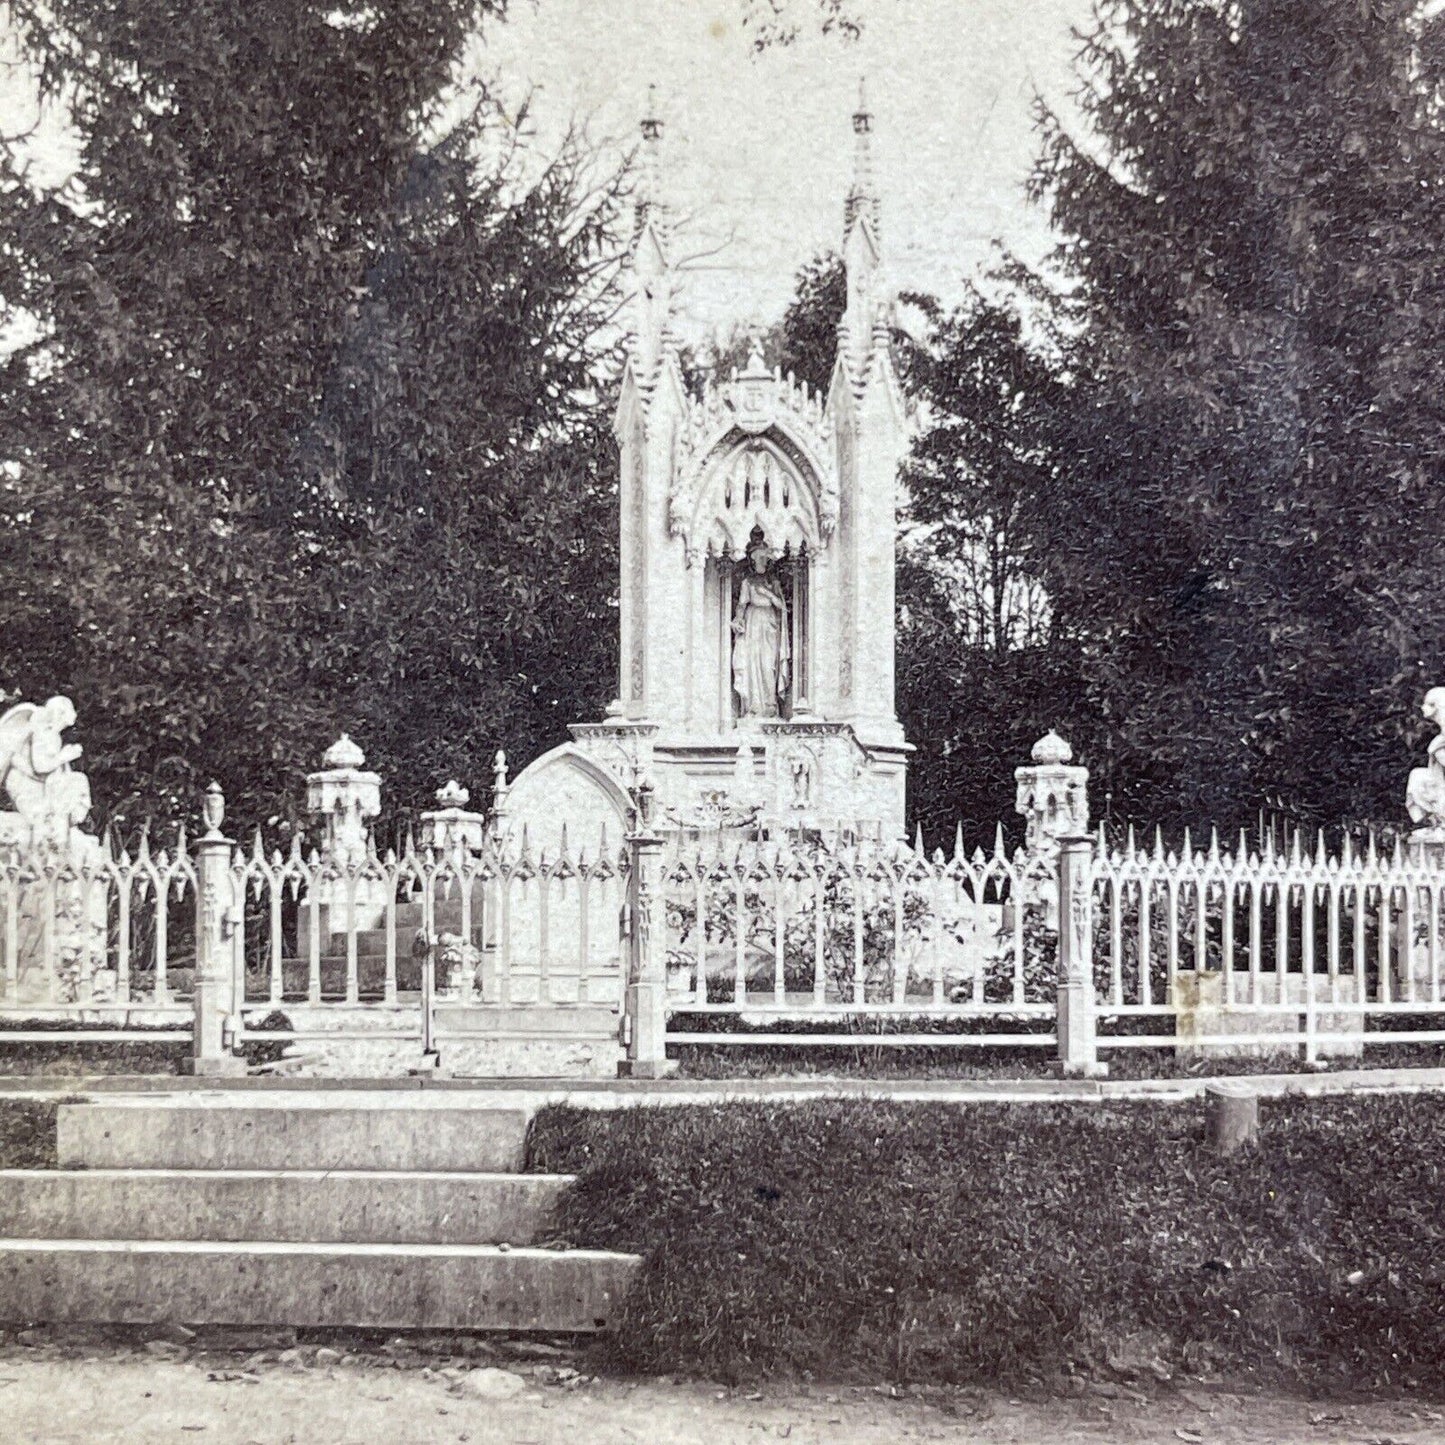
{"points": [[752, 487]]}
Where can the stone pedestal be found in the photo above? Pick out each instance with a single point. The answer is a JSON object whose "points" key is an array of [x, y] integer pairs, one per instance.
{"points": [[60, 919], [1424, 851], [343, 798], [451, 824], [1200, 1012], [1053, 798]]}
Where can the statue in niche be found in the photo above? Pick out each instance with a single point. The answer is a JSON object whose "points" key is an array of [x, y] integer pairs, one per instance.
{"points": [[761, 650], [1425, 793], [802, 770]]}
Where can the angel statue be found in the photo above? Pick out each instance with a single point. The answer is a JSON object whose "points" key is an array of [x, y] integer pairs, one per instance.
{"points": [[36, 767], [761, 652], [1425, 794]]}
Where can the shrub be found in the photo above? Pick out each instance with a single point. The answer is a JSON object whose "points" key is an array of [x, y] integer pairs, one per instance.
{"points": [[870, 1240]]}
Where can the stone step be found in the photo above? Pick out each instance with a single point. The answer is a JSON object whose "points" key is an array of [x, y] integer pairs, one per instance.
{"points": [[574, 1021], [324, 1130], [359, 1286], [300, 1206]]}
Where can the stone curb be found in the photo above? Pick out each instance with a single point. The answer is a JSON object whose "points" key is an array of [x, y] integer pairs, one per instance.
{"points": [[623, 1092]]}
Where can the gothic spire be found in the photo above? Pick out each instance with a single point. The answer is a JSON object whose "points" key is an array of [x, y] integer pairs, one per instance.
{"points": [[649, 163], [651, 277], [862, 202], [861, 257]]}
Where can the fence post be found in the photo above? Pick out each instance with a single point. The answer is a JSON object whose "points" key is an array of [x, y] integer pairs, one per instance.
{"points": [[644, 946], [1078, 1040], [213, 999]]}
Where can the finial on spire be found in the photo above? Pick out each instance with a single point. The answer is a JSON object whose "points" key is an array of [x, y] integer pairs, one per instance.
{"points": [[651, 121], [862, 117], [649, 178], [862, 198]]}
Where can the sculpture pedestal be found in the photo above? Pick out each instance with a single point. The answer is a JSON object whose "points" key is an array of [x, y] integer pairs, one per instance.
{"points": [[60, 920], [1201, 1012]]}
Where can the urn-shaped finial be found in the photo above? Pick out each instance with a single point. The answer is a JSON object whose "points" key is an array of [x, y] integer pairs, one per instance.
{"points": [[452, 795], [1051, 751], [343, 753]]}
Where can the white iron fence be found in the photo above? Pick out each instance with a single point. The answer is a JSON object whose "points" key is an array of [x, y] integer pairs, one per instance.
{"points": [[796, 940], [838, 932], [1293, 946]]}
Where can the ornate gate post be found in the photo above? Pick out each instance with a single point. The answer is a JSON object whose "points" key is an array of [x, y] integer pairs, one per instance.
{"points": [[644, 1009], [214, 1004], [1078, 1039]]}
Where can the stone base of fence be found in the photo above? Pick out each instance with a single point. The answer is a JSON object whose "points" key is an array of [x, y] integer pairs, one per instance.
{"points": [[1201, 1012], [221, 1066]]}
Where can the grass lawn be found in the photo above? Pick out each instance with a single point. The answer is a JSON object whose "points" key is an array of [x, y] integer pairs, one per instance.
{"points": [[879, 1061], [27, 1133], [865, 1240]]}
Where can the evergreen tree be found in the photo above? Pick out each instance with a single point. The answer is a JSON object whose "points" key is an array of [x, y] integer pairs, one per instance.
{"points": [[1245, 527], [982, 669], [307, 437]]}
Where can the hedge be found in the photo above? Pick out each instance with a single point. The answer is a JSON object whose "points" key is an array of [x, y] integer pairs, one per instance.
{"points": [[58, 1058], [860, 1240]]}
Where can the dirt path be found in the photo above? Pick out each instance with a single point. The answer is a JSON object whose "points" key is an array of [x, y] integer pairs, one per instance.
{"points": [[46, 1397]]}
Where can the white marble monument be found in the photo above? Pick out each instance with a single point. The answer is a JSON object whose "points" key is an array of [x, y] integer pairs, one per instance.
{"points": [[60, 923], [1425, 792], [756, 676]]}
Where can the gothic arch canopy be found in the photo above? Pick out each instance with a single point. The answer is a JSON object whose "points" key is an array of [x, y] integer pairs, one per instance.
{"points": [[748, 480]]}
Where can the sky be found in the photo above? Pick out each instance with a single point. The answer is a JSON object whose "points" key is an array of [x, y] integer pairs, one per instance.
{"points": [[758, 147]]}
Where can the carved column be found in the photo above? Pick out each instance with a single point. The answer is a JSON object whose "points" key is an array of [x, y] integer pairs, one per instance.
{"points": [[645, 951], [1077, 1034], [215, 1007]]}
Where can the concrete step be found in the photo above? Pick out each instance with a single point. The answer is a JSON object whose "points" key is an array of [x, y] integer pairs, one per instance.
{"points": [[324, 1130], [361, 1286], [302, 1206]]}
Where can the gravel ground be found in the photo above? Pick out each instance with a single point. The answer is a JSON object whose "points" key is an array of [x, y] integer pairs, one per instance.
{"points": [[71, 1391]]}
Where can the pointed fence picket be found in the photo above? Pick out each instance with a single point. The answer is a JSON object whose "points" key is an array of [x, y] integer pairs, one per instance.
{"points": [[801, 938], [847, 930], [1324, 946]]}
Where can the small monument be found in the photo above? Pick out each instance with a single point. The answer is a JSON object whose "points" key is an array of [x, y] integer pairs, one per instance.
{"points": [[344, 797], [49, 796], [451, 824], [1053, 797], [49, 801], [756, 617], [1425, 792]]}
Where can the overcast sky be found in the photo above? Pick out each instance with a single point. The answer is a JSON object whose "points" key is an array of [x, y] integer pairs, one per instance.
{"points": [[759, 146]]}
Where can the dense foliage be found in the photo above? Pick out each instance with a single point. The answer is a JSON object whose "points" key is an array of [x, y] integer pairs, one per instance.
{"points": [[307, 435], [311, 429], [1246, 530], [868, 1240], [1216, 440]]}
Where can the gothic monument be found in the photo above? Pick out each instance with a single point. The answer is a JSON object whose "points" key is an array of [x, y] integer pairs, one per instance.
{"points": [[755, 685]]}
